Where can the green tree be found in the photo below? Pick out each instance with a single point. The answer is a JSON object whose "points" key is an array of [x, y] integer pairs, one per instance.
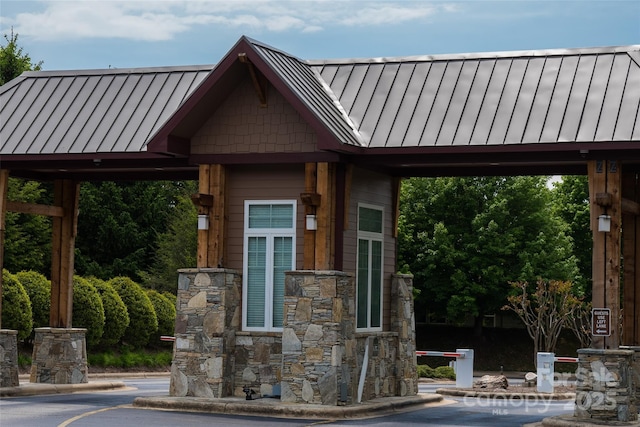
{"points": [[27, 243], [125, 218], [571, 203], [465, 239], [13, 60], [16, 307], [143, 322], [88, 311], [116, 316], [177, 246]]}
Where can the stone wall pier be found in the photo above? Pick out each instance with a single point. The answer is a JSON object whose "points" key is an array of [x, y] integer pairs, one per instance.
{"points": [[9, 358], [59, 356]]}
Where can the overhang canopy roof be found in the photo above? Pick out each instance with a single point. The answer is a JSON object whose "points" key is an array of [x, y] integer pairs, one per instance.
{"points": [[509, 112]]}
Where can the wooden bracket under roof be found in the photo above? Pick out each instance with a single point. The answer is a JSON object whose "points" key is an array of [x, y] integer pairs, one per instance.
{"points": [[259, 81]]}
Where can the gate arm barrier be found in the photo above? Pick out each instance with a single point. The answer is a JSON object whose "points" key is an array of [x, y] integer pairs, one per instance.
{"points": [[464, 364], [546, 370]]}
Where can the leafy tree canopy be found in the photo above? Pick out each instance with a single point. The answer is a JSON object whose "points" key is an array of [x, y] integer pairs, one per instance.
{"points": [[465, 239], [13, 61]]}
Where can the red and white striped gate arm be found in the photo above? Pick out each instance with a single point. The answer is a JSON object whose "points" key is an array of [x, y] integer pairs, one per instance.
{"points": [[439, 353], [565, 359], [167, 338]]}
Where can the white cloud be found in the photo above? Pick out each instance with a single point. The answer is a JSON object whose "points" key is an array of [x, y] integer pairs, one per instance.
{"points": [[163, 20]]}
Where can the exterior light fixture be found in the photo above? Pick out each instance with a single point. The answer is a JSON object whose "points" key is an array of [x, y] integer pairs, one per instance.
{"points": [[604, 223], [203, 222], [312, 222]]}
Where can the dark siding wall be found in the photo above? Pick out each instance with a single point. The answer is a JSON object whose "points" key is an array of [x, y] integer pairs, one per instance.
{"points": [[261, 183], [375, 189]]}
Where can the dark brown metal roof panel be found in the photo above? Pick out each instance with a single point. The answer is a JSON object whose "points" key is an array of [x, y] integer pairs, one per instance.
{"points": [[505, 98], [91, 111]]}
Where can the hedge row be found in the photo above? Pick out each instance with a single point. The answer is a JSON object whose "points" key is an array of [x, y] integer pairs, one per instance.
{"points": [[117, 311]]}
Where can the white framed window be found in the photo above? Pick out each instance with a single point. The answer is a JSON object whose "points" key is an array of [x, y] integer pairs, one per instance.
{"points": [[269, 251], [369, 272]]}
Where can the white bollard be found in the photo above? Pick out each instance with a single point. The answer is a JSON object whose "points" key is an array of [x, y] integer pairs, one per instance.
{"points": [[464, 368], [545, 372]]}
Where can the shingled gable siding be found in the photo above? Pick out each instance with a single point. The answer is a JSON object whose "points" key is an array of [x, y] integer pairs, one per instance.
{"points": [[241, 125], [373, 189]]}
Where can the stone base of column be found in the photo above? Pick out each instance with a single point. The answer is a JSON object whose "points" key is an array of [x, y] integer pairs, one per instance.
{"points": [[635, 370], [208, 316], [9, 358], [59, 356], [605, 390]]}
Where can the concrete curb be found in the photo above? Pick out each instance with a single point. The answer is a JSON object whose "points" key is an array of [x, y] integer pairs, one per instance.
{"points": [[504, 394], [276, 408], [570, 421], [33, 389]]}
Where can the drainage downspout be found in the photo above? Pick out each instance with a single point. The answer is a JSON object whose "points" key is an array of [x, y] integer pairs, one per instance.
{"points": [[363, 371]]}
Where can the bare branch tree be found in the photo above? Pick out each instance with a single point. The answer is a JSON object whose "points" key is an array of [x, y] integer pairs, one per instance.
{"points": [[545, 311]]}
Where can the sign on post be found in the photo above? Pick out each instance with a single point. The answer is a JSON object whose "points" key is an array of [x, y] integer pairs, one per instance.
{"points": [[601, 322]]}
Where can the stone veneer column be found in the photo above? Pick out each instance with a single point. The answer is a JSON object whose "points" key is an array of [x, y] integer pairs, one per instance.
{"points": [[404, 324], [604, 388], [318, 339], [59, 356], [635, 370], [208, 316], [9, 358]]}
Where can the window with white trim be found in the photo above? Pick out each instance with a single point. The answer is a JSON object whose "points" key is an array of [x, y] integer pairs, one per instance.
{"points": [[369, 270], [269, 251]]}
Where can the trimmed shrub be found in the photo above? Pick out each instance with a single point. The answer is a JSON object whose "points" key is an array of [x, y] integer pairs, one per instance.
{"points": [[166, 314], [16, 306], [116, 316], [425, 371], [171, 297], [88, 311], [143, 322], [38, 288], [445, 372]]}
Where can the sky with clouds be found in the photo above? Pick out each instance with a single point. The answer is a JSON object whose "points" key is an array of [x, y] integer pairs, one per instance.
{"points": [[142, 33]]}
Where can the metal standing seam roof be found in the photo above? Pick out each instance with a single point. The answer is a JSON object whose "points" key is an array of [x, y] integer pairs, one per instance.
{"points": [[571, 95], [91, 111], [467, 100]]}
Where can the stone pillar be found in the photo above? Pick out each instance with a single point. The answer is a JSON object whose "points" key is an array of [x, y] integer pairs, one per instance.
{"points": [[59, 356], [9, 358], [635, 370], [604, 388], [404, 324], [208, 316], [318, 339]]}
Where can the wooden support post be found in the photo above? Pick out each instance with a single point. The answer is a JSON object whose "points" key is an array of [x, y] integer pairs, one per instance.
{"points": [[631, 256], [211, 202], [397, 187], [203, 235], [66, 195], [310, 200], [4, 186], [325, 212], [605, 177], [217, 214]]}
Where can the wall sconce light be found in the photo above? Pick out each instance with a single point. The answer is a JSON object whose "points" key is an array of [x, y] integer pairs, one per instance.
{"points": [[604, 223], [312, 222], [203, 222]]}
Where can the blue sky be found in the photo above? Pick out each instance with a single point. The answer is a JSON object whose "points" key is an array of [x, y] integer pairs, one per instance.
{"points": [[122, 34]]}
